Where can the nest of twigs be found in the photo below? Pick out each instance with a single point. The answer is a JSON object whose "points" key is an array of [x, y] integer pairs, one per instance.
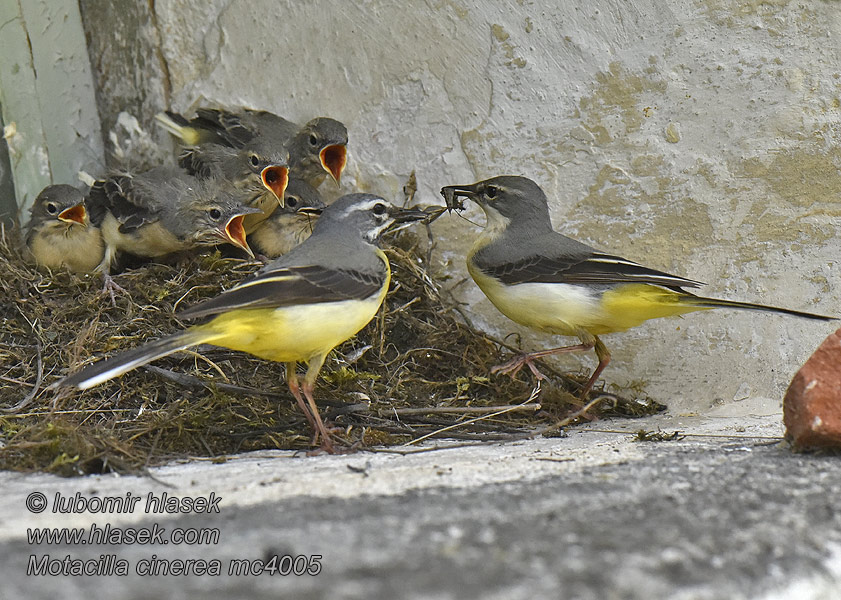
{"points": [[419, 370]]}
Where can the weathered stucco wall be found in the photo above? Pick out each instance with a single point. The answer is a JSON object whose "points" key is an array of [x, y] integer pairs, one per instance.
{"points": [[698, 137]]}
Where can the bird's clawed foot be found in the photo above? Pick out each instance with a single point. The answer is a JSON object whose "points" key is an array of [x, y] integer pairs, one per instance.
{"points": [[513, 366], [110, 287], [330, 448], [321, 434]]}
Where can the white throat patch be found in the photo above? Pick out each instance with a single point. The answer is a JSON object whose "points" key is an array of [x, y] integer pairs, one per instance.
{"points": [[496, 223]]}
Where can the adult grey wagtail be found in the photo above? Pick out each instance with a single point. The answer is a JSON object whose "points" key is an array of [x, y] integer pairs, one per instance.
{"points": [[546, 281], [60, 233], [316, 149], [296, 308], [290, 225]]}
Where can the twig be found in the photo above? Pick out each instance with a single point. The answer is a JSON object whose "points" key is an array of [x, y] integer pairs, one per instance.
{"points": [[66, 412], [566, 421], [461, 410], [16, 381], [507, 409], [410, 188], [194, 382], [31, 395], [421, 450], [213, 365]]}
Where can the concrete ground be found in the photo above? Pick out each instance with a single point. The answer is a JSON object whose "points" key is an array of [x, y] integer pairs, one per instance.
{"points": [[726, 512]]}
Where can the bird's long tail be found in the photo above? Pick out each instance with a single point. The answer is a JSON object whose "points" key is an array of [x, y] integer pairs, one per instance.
{"points": [[115, 366], [180, 128], [702, 302]]}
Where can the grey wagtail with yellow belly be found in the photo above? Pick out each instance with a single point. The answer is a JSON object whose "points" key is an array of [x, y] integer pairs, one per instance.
{"points": [[296, 308], [546, 281], [60, 233]]}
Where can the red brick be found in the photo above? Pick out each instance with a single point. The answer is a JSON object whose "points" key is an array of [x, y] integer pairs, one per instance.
{"points": [[812, 404]]}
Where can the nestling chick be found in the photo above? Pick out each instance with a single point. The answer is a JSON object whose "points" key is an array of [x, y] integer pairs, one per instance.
{"points": [[60, 233], [164, 210], [290, 225], [258, 172]]}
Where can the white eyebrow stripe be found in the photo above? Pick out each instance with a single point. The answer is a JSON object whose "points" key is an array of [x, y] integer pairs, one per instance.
{"points": [[361, 206]]}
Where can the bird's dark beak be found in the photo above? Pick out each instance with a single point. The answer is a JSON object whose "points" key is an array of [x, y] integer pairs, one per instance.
{"points": [[408, 215], [74, 214], [310, 211], [234, 231], [275, 178], [404, 217], [453, 193], [333, 159]]}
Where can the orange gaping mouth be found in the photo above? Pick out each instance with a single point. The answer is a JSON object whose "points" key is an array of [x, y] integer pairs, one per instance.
{"points": [[74, 214], [275, 179], [235, 234], [333, 159]]}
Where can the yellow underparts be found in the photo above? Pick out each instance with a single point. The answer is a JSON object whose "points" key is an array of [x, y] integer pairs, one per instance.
{"points": [[566, 309], [293, 333]]}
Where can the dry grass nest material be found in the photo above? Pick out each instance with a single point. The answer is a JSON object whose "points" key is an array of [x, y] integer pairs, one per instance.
{"points": [[419, 369]]}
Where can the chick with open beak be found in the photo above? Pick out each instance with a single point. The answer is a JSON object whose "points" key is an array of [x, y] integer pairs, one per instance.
{"points": [[259, 171], [164, 210], [60, 234], [319, 148]]}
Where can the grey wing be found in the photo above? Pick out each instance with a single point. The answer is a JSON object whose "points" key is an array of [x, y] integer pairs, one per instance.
{"points": [[127, 202], [97, 203], [227, 125], [206, 160], [594, 268], [271, 126], [292, 285]]}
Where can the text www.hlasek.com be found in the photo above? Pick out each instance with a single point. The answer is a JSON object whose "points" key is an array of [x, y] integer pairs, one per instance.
{"points": [[122, 535]]}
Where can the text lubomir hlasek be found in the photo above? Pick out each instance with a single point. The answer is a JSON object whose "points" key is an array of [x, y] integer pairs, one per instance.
{"points": [[129, 503]]}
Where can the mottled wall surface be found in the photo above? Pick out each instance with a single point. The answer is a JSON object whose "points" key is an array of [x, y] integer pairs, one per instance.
{"points": [[131, 78], [698, 137]]}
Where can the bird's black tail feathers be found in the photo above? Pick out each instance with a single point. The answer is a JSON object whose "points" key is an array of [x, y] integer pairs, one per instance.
{"points": [[700, 301], [115, 366]]}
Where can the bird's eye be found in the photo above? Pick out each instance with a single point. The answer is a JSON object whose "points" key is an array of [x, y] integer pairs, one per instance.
{"points": [[313, 140], [254, 160], [291, 201], [491, 191], [379, 209], [52, 208], [215, 214]]}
